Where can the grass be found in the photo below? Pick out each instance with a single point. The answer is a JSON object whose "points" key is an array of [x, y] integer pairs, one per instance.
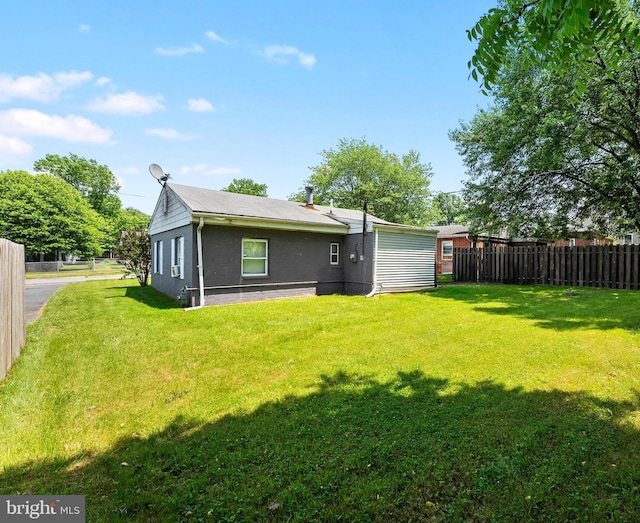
{"points": [[102, 268], [466, 403]]}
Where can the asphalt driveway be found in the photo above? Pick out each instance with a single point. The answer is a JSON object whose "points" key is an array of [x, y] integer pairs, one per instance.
{"points": [[39, 290]]}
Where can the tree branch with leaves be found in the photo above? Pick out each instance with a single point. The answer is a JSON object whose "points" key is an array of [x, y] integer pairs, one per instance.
{"points": [[135, 250]]}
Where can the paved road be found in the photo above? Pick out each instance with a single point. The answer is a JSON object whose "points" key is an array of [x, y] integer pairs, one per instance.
{"points": [[39, 290]]}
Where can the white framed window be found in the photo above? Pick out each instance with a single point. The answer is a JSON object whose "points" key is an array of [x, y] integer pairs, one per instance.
{"points": [[447, 249], [177, 257], [628, 239], [255, 257], [157, 257], [334, 254], [572, 242]]}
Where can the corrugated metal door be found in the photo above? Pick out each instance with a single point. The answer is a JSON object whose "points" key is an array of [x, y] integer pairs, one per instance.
{"points": [[404, 261]]}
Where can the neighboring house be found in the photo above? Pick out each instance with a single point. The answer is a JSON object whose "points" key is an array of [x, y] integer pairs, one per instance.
{"points": [[629, 238], [214, 247], [582, 241], [458, 236]]}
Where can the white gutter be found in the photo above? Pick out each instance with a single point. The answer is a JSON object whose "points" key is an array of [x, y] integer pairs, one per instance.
{"points": [[374, 257], [200, 266]]}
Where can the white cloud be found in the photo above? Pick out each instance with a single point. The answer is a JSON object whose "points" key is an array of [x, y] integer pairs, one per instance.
{"points": [[216, 38], [282, 53], [13, 146], [29, 122], [127, 103], [170, 134], [200, 105], [179, 51], [40, 88], [102, 81], [204, 169], [84, 28]]}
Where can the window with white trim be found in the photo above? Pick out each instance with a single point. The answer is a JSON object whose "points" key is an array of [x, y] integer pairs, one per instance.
{"points": [[255, 257], [334, 254], [157, 257], [572, 242], [447, 249], [177, 257]]}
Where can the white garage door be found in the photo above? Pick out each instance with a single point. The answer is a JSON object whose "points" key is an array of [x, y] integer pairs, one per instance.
{"points": [[404, 261]]}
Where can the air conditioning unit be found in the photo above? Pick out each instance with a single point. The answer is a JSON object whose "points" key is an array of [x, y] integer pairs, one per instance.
{"points": [[175, 271]]}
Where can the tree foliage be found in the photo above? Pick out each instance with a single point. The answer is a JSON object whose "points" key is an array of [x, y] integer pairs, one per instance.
{"points": [[448, 209], [128, 219], [96, 183], [555, 35], [541, 159], [396, 188], [247, 186], [135, 249], [47, 215]]}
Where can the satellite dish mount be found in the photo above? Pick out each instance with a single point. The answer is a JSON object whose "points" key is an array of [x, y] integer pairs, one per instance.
{"points": [[158, 173]]}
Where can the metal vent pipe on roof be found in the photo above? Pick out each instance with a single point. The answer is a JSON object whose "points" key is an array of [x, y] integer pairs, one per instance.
{"points": [[309, 190]]}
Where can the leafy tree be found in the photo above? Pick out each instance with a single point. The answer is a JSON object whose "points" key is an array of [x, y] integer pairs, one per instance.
{"points": [[128, 219], [135, 249], [449, 209], [541, 160], [246, 186], [47, 215], [564, 36], [96, 183], [131, 219], [396, 188]]}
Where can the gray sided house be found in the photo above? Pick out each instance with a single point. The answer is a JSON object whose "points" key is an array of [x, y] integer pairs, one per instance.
{"points": [[213, 247]]}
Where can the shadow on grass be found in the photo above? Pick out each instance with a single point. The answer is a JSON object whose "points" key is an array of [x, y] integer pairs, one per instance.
{"points": [[558, 308], [148, 296], [411, 449]]}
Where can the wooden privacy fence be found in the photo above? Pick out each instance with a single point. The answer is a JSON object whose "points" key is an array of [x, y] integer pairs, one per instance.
{"points": [[13, 332], [612, 266]]}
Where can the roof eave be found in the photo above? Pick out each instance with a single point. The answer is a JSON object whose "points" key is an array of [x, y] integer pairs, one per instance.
{"points": [[267, 223], [405, 228]]}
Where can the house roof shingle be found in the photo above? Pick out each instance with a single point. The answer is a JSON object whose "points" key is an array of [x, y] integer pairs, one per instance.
{"points": [[451, 230], [224, 204], [221, 203]]}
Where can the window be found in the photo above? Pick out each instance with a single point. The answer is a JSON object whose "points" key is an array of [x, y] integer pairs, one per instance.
{"points": [[254, 257], [628, 239], [334, 254], [157, 257], [177, 257], [447, 249], [572, 242]]}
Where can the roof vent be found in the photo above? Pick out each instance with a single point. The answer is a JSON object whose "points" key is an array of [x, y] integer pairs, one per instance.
{"points": [[309, 189]]}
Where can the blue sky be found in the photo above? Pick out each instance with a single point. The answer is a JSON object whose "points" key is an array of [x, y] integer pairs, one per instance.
{"points": [[214, 90]]}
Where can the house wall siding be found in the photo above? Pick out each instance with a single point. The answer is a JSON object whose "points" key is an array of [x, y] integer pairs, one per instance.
{"points": [[405, 261], [172, 286], [358, 275], [177, 214], [293, 257]]}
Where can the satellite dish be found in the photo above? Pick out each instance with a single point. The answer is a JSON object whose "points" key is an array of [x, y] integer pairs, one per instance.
{"points": [[158, 173]]}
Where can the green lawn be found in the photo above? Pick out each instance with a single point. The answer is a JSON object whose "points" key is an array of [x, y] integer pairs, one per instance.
{"points": [[465, 403]]}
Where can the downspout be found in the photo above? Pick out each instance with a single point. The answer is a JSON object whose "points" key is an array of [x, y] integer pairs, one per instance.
{"points": [[200, 266], [374, 258]]}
